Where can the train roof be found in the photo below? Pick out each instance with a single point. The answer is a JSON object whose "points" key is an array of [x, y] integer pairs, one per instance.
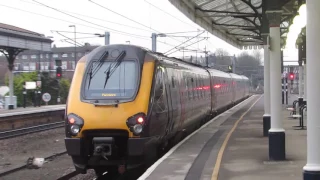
{"points": [[237, 76], [185, 64], [219, 73]]}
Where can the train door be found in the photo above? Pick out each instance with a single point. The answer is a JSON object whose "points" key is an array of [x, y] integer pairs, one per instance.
{"points": [[175, 97], [168, 90], [233, 89], [160, 109]]}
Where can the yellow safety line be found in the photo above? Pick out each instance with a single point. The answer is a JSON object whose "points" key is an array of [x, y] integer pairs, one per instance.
{"points": [[216, 168]]}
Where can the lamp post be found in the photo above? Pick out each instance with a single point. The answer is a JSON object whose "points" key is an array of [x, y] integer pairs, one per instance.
{"points": [[75, 45]]}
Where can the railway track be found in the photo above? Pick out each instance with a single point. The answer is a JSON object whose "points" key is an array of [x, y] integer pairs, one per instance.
{"points": [[68, 176], [20, 167], [29, 130]]}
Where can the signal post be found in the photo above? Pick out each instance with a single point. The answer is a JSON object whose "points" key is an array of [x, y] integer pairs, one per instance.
{"points": [[58, 76]]}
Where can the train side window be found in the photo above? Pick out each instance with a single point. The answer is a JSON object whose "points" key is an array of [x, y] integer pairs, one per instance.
{"points": [[192, 87], [172, 81], [196, 90], [201, 85], [198, 86], [189, 88], [203, 90], [186, 86]]}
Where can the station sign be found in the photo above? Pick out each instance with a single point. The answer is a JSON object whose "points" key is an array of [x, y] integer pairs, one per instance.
{"points": [[30, 85], [46, 97]]}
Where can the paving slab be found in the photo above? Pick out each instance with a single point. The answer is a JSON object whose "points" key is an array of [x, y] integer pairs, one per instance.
{"points": [[246, 156]]}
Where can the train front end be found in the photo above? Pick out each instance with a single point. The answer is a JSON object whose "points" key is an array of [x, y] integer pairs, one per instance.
{"points": [[106, 109]]}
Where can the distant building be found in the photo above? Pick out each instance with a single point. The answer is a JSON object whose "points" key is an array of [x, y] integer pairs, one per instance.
{"points": [[29, 61]]}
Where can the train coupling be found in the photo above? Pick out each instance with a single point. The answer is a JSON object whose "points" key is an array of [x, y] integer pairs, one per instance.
{"points": [[103, 146]]}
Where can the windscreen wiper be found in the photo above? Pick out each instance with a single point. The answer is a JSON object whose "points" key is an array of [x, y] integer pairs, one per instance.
{"points": [[110, 70], [94, 71]]}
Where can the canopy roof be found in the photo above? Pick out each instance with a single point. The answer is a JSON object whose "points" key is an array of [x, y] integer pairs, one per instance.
{"points": [[238, 22]]}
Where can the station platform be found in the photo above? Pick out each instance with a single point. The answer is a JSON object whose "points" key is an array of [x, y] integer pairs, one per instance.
{"points": [[30, 110], [232, 147]]}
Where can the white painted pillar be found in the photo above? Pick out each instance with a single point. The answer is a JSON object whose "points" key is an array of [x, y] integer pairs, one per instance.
{"points": [[312, 168], [275, 72], [276, 132], [267, 115], [305, 76]]}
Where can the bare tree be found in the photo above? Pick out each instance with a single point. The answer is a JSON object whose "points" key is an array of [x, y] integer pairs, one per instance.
{"points": [[257, 55], [249, 65], [221, 52]]}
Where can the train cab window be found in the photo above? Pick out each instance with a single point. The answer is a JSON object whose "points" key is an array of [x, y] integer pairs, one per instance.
{"points": [[121, 83]]}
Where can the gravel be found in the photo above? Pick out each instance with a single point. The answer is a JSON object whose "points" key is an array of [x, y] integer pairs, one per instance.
{"points": [[15, 151], [51, 170]]}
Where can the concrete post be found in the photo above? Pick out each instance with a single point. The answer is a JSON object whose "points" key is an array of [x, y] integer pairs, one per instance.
{"points": [[305, 76], [266, 116], [107, 38], [11, 105], [276, 132], [154, 42], [312, 168]]}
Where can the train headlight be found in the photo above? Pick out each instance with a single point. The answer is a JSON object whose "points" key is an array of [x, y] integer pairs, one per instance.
{"points": [[74, 124], [75, 129], [137, 129], [136, 123]]}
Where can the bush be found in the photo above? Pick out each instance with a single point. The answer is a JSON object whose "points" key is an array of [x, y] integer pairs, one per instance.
{"points": [[49, 85]]}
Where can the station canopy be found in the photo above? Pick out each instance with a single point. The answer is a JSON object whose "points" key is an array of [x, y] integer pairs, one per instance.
{"points": [[238, 22], [12, 37]]}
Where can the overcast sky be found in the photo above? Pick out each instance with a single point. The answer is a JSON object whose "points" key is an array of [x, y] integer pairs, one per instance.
{"points": [[165, 18]]}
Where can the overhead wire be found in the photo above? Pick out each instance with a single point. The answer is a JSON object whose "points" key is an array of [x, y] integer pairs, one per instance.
{"points": [[184, 42], [169, 13], [178, 20], [96, 28], [126, 17], [187, 45], [69, 39], [128, 34], [77, 32], [92, 17], [84, 37], [102, 20], [120, 32], [66, 40]]}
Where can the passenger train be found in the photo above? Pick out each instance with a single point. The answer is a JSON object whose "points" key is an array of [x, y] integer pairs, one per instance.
{"points": [[127, 103]]}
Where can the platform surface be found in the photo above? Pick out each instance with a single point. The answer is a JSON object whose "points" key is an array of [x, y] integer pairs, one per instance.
{"points": [[28, 110], [207, 155]]}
